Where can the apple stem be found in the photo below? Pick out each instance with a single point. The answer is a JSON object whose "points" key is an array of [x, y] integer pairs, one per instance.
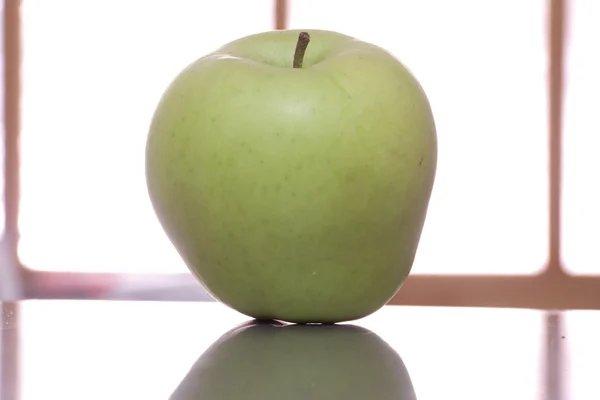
{"points": [[303, 40]]}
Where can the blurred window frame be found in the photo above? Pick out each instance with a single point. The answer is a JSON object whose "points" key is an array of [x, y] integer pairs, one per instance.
{"points": [[551, 289]]}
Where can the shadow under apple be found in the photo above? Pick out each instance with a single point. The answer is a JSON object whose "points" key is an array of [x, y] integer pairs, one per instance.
{"points": [[271, 360]]}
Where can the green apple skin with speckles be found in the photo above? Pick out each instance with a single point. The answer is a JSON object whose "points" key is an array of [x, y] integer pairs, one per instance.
{"points": [[296, 194], [297, 362]]}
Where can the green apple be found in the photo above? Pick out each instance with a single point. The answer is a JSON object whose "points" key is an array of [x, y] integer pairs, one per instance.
{"points": [[294, 192], [297, 362]]}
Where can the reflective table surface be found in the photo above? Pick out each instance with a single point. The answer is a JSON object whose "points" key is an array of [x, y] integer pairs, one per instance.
{"points": [[187, 351]]}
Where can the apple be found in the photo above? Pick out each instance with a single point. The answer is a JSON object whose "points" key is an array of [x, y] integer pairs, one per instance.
{"points": [[297, 362], [292, 171]]}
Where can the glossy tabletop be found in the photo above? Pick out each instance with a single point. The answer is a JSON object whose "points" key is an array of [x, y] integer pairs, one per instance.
{"points": [[186, 351]]}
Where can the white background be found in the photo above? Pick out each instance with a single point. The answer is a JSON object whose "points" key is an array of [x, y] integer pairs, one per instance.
{"points": [[94, 70]]}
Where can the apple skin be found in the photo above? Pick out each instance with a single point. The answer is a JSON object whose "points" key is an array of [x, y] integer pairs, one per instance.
{"points": [[297, 362], [296, 194]]}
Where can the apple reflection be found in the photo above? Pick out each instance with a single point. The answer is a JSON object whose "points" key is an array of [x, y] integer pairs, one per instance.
{"points": [[270, 360]]}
